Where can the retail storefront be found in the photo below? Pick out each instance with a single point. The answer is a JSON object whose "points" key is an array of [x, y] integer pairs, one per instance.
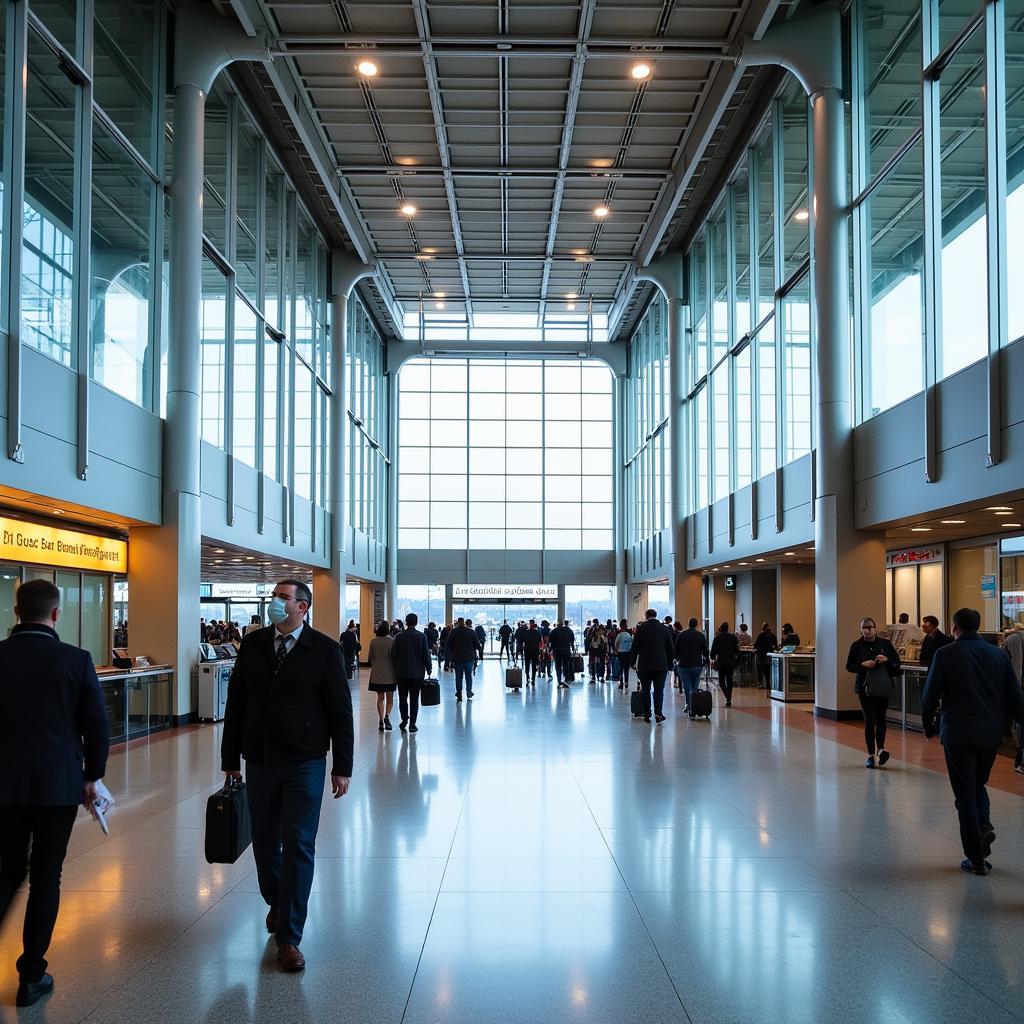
{"points": [[84, 565]]}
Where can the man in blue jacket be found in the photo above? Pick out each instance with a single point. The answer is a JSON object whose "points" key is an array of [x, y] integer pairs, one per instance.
{"points": [[54, 740], [978, 690]]}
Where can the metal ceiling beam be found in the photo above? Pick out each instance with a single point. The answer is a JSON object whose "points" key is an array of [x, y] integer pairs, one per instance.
{"points": [[293, 97], [495, 257], [350, 42], [583, 26], [441, 134], [582, 173]]}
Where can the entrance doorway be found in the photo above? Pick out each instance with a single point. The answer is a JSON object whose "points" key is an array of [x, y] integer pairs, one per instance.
{"points": [[491, 614]]}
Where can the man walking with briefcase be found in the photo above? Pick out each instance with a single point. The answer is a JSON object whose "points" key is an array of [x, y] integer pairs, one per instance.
{"points": [[288, 701]]}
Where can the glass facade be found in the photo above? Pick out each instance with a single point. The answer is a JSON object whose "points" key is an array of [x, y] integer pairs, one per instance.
{"points": [[368, 424], [497, 454], [936, 88], [647, 437]]}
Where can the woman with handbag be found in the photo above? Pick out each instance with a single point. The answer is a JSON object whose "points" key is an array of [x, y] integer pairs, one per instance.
{"points": [[876, 664], [382, 674], [725, 652]]}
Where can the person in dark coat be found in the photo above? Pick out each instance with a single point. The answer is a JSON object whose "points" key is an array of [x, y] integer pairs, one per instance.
{"points": [[288, 702], [934, 639], [765, 643], [652, 656], [411, 655], [350, 647], [725, 652], [870, 652], [563, 643], [531, 653], [790, 637], [978, 690], [433, 637], [505, 635], [462, 648], [54, 740], [692, 654]]}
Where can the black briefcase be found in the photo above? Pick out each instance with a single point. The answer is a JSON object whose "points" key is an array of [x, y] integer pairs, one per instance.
{"points": [[228, 826]]}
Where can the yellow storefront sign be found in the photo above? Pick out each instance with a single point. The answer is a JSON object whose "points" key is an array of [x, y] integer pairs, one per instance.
{"points": [[48, 545]]}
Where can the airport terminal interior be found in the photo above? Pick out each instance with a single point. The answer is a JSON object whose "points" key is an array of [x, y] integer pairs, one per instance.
{"points": [[512, 310]]}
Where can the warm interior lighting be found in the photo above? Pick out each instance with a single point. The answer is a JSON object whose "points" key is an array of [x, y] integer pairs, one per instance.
{"points": [[921, 529], [406, 161], [758, 559], [953, 522], [367, 68], [584, 259], [1008, 526], [641, 71], [801, 215], [571, 305], [790, 552], [409, 210], [1003, 513], [998, 508], [601, 211], [423, 257], [440, 295], [571, 295], [438, 305]]}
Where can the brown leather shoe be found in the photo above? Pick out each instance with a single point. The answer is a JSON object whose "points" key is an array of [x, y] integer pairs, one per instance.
{"points": [[291, 958], [272, 920]]}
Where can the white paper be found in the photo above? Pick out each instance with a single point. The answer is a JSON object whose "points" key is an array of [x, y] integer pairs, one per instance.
{"points": [[100, 805]]}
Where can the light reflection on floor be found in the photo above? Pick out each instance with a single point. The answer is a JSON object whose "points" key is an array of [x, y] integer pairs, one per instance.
{"points": [[543, 857]]}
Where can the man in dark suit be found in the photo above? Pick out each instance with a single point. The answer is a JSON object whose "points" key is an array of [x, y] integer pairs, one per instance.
{"points": [[563, 643], [413, 664], [652, 654], [978, 689], [288, 701], [350, 648], [691, 651], [934, 638], [54, 740]]}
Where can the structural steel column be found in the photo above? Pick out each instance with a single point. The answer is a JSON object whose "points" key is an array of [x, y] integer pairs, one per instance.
{"points": [[849, 564], [391, 575], [329, 585], [165, 560]]}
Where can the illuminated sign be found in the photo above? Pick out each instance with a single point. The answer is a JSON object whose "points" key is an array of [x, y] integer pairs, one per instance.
{"points": [[912, 556], [48, 545], [504, 592]]}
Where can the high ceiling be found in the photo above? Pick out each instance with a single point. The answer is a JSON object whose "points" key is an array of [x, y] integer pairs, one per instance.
{"points": [[506, 123]]}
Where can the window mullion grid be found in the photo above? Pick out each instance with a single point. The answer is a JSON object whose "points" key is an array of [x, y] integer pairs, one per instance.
{"points": [[932, 230], [81, 232], [861, 224], [753, 228], [230, 203], [778, 245], [261, 298], [995, 189], [730, 248]]}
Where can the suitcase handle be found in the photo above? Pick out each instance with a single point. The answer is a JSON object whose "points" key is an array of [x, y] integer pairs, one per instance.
{"points": [[231, 785]]}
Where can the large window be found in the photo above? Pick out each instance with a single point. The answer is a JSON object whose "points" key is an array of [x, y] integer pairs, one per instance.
{"points": [[1015, 166], [213, 349], [505, 455]]}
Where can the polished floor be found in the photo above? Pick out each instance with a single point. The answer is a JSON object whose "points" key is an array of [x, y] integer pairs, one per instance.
{"points": [[544, 858]]}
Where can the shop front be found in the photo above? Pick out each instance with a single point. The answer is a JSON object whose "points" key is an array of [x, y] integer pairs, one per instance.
{"points": [[90, 570]]}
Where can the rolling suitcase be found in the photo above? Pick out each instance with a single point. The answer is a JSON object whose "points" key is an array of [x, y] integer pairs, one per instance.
{"points": [[636, 702], [430, 693], [228, 826], [701, 704], [513, 678], [577, 664]]}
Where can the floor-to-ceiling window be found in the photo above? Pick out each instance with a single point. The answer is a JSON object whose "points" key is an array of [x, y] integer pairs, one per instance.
{"points": [[505, 454]]}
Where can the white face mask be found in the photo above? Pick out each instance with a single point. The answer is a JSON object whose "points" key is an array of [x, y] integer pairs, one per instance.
{"points": [[277, 610]]}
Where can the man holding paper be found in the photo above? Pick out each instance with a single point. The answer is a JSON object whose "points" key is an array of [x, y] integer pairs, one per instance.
{"points": [[54, 740]]}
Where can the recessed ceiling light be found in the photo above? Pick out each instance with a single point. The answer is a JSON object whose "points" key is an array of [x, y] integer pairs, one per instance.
{"points": [[758, 559], [438, 305], [409, 210], [921, 529], [1007, 526], [367, 68], [998, 508], [801, 215], [219, 551], [250, 558], [57, 511], [571, 295], [601, 211], [744, 563], [570, 305], [217, 561], [235, 559], [440, 295], [790, 552], [1003, 513], [640, 71], [584, 259], [953, 522], [405, 161], [423, 257]]}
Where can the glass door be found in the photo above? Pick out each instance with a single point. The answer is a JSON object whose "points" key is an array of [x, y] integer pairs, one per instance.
{"points": [[491, 616]]}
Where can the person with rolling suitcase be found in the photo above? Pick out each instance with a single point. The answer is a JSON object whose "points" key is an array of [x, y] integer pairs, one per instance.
{"points": [[413, 664], [701, 702], [652, 656]]}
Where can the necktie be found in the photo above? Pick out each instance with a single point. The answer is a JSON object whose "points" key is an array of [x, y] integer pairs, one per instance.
{"points": [[282, 651]]}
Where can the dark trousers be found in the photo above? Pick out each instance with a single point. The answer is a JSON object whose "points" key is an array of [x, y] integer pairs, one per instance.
{"points": [[47, 831], [655, 680], [531, 659], [463, 672], [284, 804], [624, 663], [409, 699], [874, 709], [689, 676], [563, 665], [764, 674], [725, 681], [969, 769], [504, 649]]}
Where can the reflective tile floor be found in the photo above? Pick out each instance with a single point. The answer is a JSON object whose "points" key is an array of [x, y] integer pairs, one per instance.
{"points": [[544, 858]]}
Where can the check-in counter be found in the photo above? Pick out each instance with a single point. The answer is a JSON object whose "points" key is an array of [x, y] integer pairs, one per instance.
{"points": [[905, 705], [792, 678], [138, 700]]}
